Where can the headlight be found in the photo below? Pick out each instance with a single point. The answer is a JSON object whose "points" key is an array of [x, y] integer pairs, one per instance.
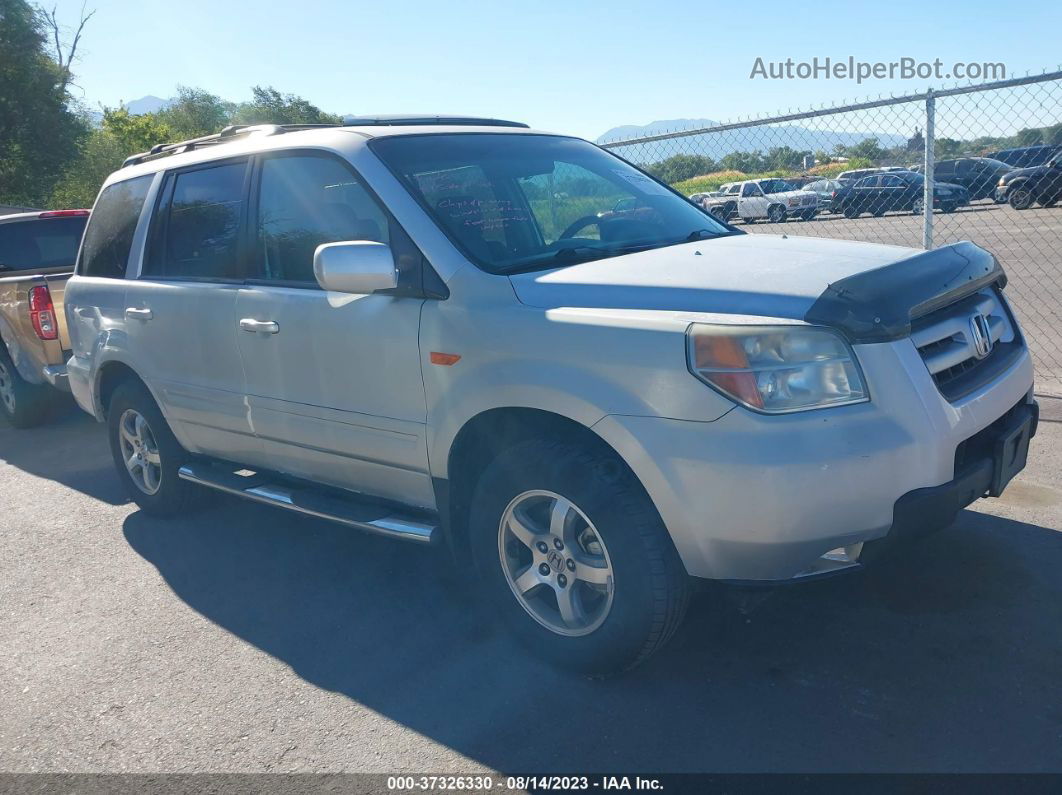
{"points": [[776, 369]]}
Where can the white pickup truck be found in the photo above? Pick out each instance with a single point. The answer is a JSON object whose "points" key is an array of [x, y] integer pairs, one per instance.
{"points": [[522, 348], [774, 200]]}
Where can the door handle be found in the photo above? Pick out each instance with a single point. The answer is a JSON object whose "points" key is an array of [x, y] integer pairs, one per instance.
{"points": [[132, 313], [263, 326]]}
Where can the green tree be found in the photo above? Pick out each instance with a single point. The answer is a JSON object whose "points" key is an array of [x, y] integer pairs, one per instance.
{"points": [[39, 128], [120, 135], [868, 148], [196, 112], [748, 162], [269, 106], [784, 157], [1030, 136], [681, 167]]}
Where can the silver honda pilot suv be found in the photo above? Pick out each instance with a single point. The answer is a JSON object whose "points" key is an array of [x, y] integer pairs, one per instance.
{"points": [[527, 351]]}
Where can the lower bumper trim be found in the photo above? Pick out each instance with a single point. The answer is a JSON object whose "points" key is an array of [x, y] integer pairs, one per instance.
{"points": [[55, 374]]}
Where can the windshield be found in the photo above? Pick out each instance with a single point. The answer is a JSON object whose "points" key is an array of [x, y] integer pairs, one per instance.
{"points": [[525, 202], [776, 186]]}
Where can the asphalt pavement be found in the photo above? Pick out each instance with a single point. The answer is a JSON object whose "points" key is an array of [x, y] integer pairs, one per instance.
{"points": [[243, 638]]}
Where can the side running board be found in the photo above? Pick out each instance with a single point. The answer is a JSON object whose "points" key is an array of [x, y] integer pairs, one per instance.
{"points": [[272, 489]]}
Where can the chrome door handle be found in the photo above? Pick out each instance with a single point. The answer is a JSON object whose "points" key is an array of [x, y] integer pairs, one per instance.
{"points": [[132, 313], [263, 326]]}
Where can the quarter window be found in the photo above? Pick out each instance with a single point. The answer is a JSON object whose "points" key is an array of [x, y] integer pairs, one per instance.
{"points": [[109, 236], [201, 223], [307, 200]]}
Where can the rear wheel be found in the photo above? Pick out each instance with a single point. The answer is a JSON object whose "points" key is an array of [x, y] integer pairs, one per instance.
{"points": [[146, 453], [24, 404], [574, 555], [918, 207]]}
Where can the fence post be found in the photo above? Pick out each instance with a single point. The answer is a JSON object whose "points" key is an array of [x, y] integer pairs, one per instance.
{"points": [[927, 188]]}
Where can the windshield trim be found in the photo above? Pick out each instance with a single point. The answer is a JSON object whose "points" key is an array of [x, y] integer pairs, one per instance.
{"points": [[550, 264]]}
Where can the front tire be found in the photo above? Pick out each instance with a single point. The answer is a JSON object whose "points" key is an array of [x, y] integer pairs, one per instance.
{"points": [[1020, 198], [146, 453], [776, 214], [572, 552]]}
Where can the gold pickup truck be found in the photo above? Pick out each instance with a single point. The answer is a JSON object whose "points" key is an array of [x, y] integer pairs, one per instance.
{"points": [[37, 254]]}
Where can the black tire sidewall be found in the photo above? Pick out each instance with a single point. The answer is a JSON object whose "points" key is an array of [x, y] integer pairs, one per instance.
{"points": [[172, 493], [31, 400], [628, 524]]}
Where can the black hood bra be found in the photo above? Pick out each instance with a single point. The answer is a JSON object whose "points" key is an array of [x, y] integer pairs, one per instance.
{"points": [[878, 305]]}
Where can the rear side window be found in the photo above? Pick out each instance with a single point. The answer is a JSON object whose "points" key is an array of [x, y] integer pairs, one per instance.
{"points": [[110, 232], [40, 243], [198, 224], [307, 200]]}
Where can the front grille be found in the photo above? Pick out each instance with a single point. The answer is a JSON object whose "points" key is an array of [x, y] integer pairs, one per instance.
{"points": [[947, 341]]}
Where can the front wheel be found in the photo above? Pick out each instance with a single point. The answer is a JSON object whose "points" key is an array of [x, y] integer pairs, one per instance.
{"points": [[918, 207], [146, 453], [776, 214], [574, 555], [1020, 198]]}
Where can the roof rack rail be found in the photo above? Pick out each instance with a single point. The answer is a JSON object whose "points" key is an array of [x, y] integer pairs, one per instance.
{"points": [[227, 134], [404, 120], [240, 130]]}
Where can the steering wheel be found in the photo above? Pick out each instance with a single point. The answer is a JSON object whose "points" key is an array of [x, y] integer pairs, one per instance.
{"points": [[578, 225]]}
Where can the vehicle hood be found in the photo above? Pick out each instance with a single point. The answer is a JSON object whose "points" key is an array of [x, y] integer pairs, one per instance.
{"points": [[790, 194], [761, 275], [1031, 171]]}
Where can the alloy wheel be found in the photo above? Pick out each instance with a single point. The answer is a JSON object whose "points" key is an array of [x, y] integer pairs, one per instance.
{"points": [[140, 451], [556, 563]]}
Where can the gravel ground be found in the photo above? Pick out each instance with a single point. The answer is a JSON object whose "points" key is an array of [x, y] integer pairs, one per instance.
{"points": [[247, 639]]}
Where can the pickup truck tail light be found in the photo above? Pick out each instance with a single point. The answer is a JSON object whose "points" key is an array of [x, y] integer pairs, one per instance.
{"points": [[42, 313]]}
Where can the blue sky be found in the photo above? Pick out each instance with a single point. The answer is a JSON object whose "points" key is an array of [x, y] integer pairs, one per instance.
{"points": [[575, 66]]}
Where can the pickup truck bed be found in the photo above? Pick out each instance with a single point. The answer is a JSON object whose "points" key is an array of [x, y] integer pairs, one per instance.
{"points": [[37, 253]]}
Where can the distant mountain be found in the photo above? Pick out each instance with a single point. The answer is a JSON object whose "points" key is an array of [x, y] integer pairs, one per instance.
{"points": [[148, 104], [747, 139], [653, 128]]}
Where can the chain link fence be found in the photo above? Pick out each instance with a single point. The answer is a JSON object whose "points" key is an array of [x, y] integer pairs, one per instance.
{"points": [[980, 163]]}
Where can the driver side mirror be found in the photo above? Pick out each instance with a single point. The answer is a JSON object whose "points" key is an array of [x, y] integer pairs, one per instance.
{"points": [[360, 267]]}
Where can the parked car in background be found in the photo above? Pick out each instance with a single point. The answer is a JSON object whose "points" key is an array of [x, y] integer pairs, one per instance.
{"points": [[37, 253], [979, 175], [901, 191], [1024, 186], [723, 203], [1026, 156], [857, 173], [775, 200], [827, 189]]}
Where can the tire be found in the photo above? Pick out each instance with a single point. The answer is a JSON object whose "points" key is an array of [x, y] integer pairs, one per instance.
{"points": [[851, 212], [23, 404], [641, 591], [1020, 198], [160, 452], [718, 212], [776, 214], [918, 207]]}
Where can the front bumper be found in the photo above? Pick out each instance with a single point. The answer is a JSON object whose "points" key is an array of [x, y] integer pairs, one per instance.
{"points": [[763, 498]]}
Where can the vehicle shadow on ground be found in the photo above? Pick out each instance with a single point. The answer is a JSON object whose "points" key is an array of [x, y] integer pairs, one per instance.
{"points": [[71, 448], [945, 659]]}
